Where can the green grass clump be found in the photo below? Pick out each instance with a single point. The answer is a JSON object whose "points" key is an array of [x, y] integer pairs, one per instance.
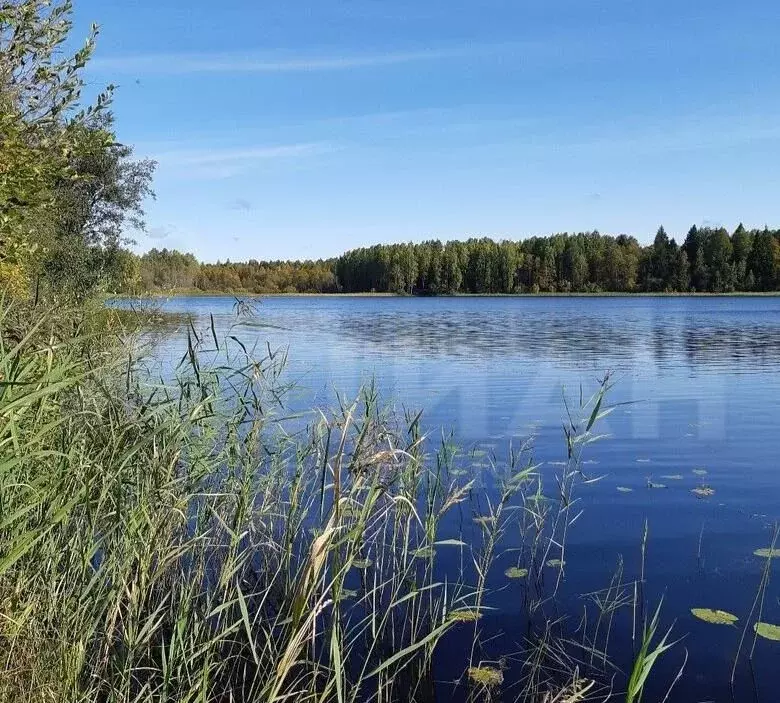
{"points": [[173, 542], [188, 541]]}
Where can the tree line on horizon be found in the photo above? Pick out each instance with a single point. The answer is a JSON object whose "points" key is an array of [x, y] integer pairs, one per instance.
{"points": [[708, 260], [70, 193]]}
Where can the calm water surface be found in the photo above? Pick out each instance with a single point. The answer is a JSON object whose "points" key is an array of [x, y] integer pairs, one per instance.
{"points": [[703, 379]]}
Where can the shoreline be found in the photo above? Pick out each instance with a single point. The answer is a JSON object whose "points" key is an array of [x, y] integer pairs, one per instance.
{"points": [[155, 295]]}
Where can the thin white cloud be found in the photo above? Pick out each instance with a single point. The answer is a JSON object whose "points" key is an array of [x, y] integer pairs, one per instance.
{"points": [[219, 162], [179, 64], [238, 155]]}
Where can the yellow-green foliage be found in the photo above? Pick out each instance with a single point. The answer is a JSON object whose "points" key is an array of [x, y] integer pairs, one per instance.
{"points": [[767, 631], [156, 536], [486, 676], [41, 130], [715, 617]]}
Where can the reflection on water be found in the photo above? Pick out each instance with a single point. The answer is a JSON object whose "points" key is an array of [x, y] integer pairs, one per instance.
{"points": [[569, 332], [698, 380]]}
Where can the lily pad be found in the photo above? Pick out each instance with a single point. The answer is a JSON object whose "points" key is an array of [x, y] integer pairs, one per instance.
{"points": [[425, 552], [715, 617], [767, 631], [516, 573], [700, 472], [450, 543], [703, 491], [458, 472], [673, 477], [362, 563], [767, 553], [625, 489], [555, 563], [650, 484], [486, 675], [464, 616]]}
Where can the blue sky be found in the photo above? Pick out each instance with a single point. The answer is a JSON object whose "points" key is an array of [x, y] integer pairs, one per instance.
{"points": [[286, 129]]}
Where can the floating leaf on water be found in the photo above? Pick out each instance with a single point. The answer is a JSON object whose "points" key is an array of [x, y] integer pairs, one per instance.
{"points": [[703, 492], [450, 543], [555, 563], [362, 563], [425, 552], [486, 675], [347, 593], [700, 472], [643, 461], [516, 573], [478, 452], [485, 520], [716, 617], [650, 484], [520, 478], [673, 477], [458, 472], [464, 616], [595, 479], [767, 631], [625, 489], [767, 553]]}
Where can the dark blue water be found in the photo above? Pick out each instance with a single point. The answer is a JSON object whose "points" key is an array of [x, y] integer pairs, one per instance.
{"points": [[697, 381]]}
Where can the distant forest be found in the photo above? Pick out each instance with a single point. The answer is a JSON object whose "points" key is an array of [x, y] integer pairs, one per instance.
{"points": [[709, 260]]}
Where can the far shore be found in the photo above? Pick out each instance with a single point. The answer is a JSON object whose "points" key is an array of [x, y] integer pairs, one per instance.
{"points": [[604, 294]]}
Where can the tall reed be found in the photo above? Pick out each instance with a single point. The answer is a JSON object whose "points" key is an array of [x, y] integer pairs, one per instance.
{"points": [[187, 541]]}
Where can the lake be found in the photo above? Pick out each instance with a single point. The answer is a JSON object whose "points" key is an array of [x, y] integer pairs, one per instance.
{"points": [[696, 382]]}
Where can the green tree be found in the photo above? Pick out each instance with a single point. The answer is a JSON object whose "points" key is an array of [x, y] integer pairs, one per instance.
{"points": [[659, 261], [95, 210], [681, 277], [763, 260], [452, 270], [742, 243], [41, 129], [718, 253]]}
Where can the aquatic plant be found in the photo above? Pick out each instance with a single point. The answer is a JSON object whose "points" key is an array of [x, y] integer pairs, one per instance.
{"points": [[716, 617], [189, 540]]}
